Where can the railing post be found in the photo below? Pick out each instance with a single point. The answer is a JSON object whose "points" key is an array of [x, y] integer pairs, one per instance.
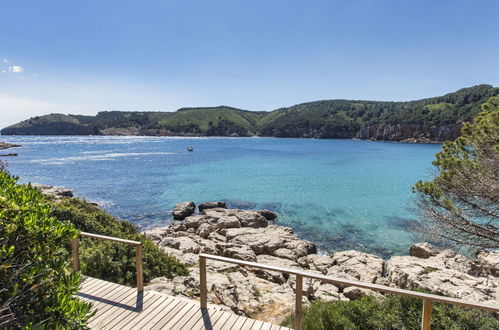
{"points": [[202, 282], [75, 257], [426, 317], [139, 267], [298, 302]]}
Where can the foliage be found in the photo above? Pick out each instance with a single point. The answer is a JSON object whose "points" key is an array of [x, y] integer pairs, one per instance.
{"points": [[322, 119], [461, 204], [390, 312], [112, 261], [37, 286]]}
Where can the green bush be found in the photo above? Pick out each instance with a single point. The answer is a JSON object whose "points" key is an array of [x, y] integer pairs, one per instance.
{"points": [[37, 287], [392, 312], [112, 261]]}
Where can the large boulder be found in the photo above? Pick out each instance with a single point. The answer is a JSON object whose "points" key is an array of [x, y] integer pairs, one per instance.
{"points": [[423, 250], [357, 265], [211, 205], [183, 210]]}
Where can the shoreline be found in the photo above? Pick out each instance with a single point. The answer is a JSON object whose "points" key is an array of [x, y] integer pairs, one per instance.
{"points": [[252, 235], [405, 141]]}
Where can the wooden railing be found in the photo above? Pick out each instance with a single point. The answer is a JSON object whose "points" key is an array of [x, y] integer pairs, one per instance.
{"points": [[427, 298], [138, 254]]}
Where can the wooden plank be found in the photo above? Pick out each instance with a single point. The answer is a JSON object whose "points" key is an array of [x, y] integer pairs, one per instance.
{"points": [[194, 320], [112, 310], [179, 316], [230, 322], [167, 311], [167, 317], [257, 325], [248, 324], [194, 313], [210, 317], [275, 327], [156, 314], [123, 316], [221, 321], [239, 323], [113, 297], [266, 326], [150, 303]]}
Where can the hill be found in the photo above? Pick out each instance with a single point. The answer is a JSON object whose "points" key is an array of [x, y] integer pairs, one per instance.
{"points": [[426, 120]]}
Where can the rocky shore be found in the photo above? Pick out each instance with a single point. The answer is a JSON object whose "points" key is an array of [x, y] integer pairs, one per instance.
{"points": [[5, 145], [269, 296]]}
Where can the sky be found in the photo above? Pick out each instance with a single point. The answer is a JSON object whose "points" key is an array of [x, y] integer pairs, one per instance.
{"points": [[82, 57]]}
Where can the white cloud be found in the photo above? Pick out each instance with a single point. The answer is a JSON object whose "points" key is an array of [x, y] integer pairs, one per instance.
{"points": [[4, 60], [16, 69]]}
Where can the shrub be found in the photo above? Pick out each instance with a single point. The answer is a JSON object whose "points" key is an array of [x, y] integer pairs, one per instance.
{"points": [[391, 312], [37, 287], [109, 260]]}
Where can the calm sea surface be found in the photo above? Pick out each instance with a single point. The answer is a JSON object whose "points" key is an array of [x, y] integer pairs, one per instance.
{"points": [[340, 194]]}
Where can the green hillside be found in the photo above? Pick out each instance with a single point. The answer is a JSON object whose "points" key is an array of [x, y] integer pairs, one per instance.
{"points": [[431, 119], [343, 118], [221, 120]]}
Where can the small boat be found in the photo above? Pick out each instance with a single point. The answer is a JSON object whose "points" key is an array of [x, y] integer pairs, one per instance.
{"points": [[189, 148]]}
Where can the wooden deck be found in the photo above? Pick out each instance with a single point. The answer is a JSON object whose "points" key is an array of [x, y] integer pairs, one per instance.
{"points": [[121, 307]]}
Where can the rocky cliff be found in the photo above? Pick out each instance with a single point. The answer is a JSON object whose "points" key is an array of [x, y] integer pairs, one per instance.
{"points": [[409, 133]]}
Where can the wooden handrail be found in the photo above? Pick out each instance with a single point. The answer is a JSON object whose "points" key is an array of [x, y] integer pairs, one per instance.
{"points": [[427, 298], [139, 267]]}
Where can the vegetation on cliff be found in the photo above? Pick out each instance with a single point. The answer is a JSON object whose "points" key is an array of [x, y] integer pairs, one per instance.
{"points": [[111, 261], [37, 286], [390, 312], [321, 119]]}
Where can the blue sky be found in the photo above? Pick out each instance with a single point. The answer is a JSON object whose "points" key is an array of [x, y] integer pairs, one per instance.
{"points": [[88, 56]]}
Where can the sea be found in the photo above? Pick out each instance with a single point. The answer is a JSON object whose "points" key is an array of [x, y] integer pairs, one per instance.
{"points": [[339, 194]]}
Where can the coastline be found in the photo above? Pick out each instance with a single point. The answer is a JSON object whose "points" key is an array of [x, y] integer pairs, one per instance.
{"points": [[252, 235]]}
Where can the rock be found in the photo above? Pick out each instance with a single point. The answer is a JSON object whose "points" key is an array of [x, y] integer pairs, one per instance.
{"points": [[204, 230], [357, 265], [240, 252], [423, 250], [194, 221], [269, 240], [327, 292], [53, 191], [252, 219], [211, 205], [441, 276], [320, 263], [354, 293], [228, 222], [489, 262], [269, 215], [184, 244], [183, 210]]}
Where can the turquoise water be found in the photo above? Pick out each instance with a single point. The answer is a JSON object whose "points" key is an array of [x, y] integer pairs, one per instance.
{"points": [[340, 194]]}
